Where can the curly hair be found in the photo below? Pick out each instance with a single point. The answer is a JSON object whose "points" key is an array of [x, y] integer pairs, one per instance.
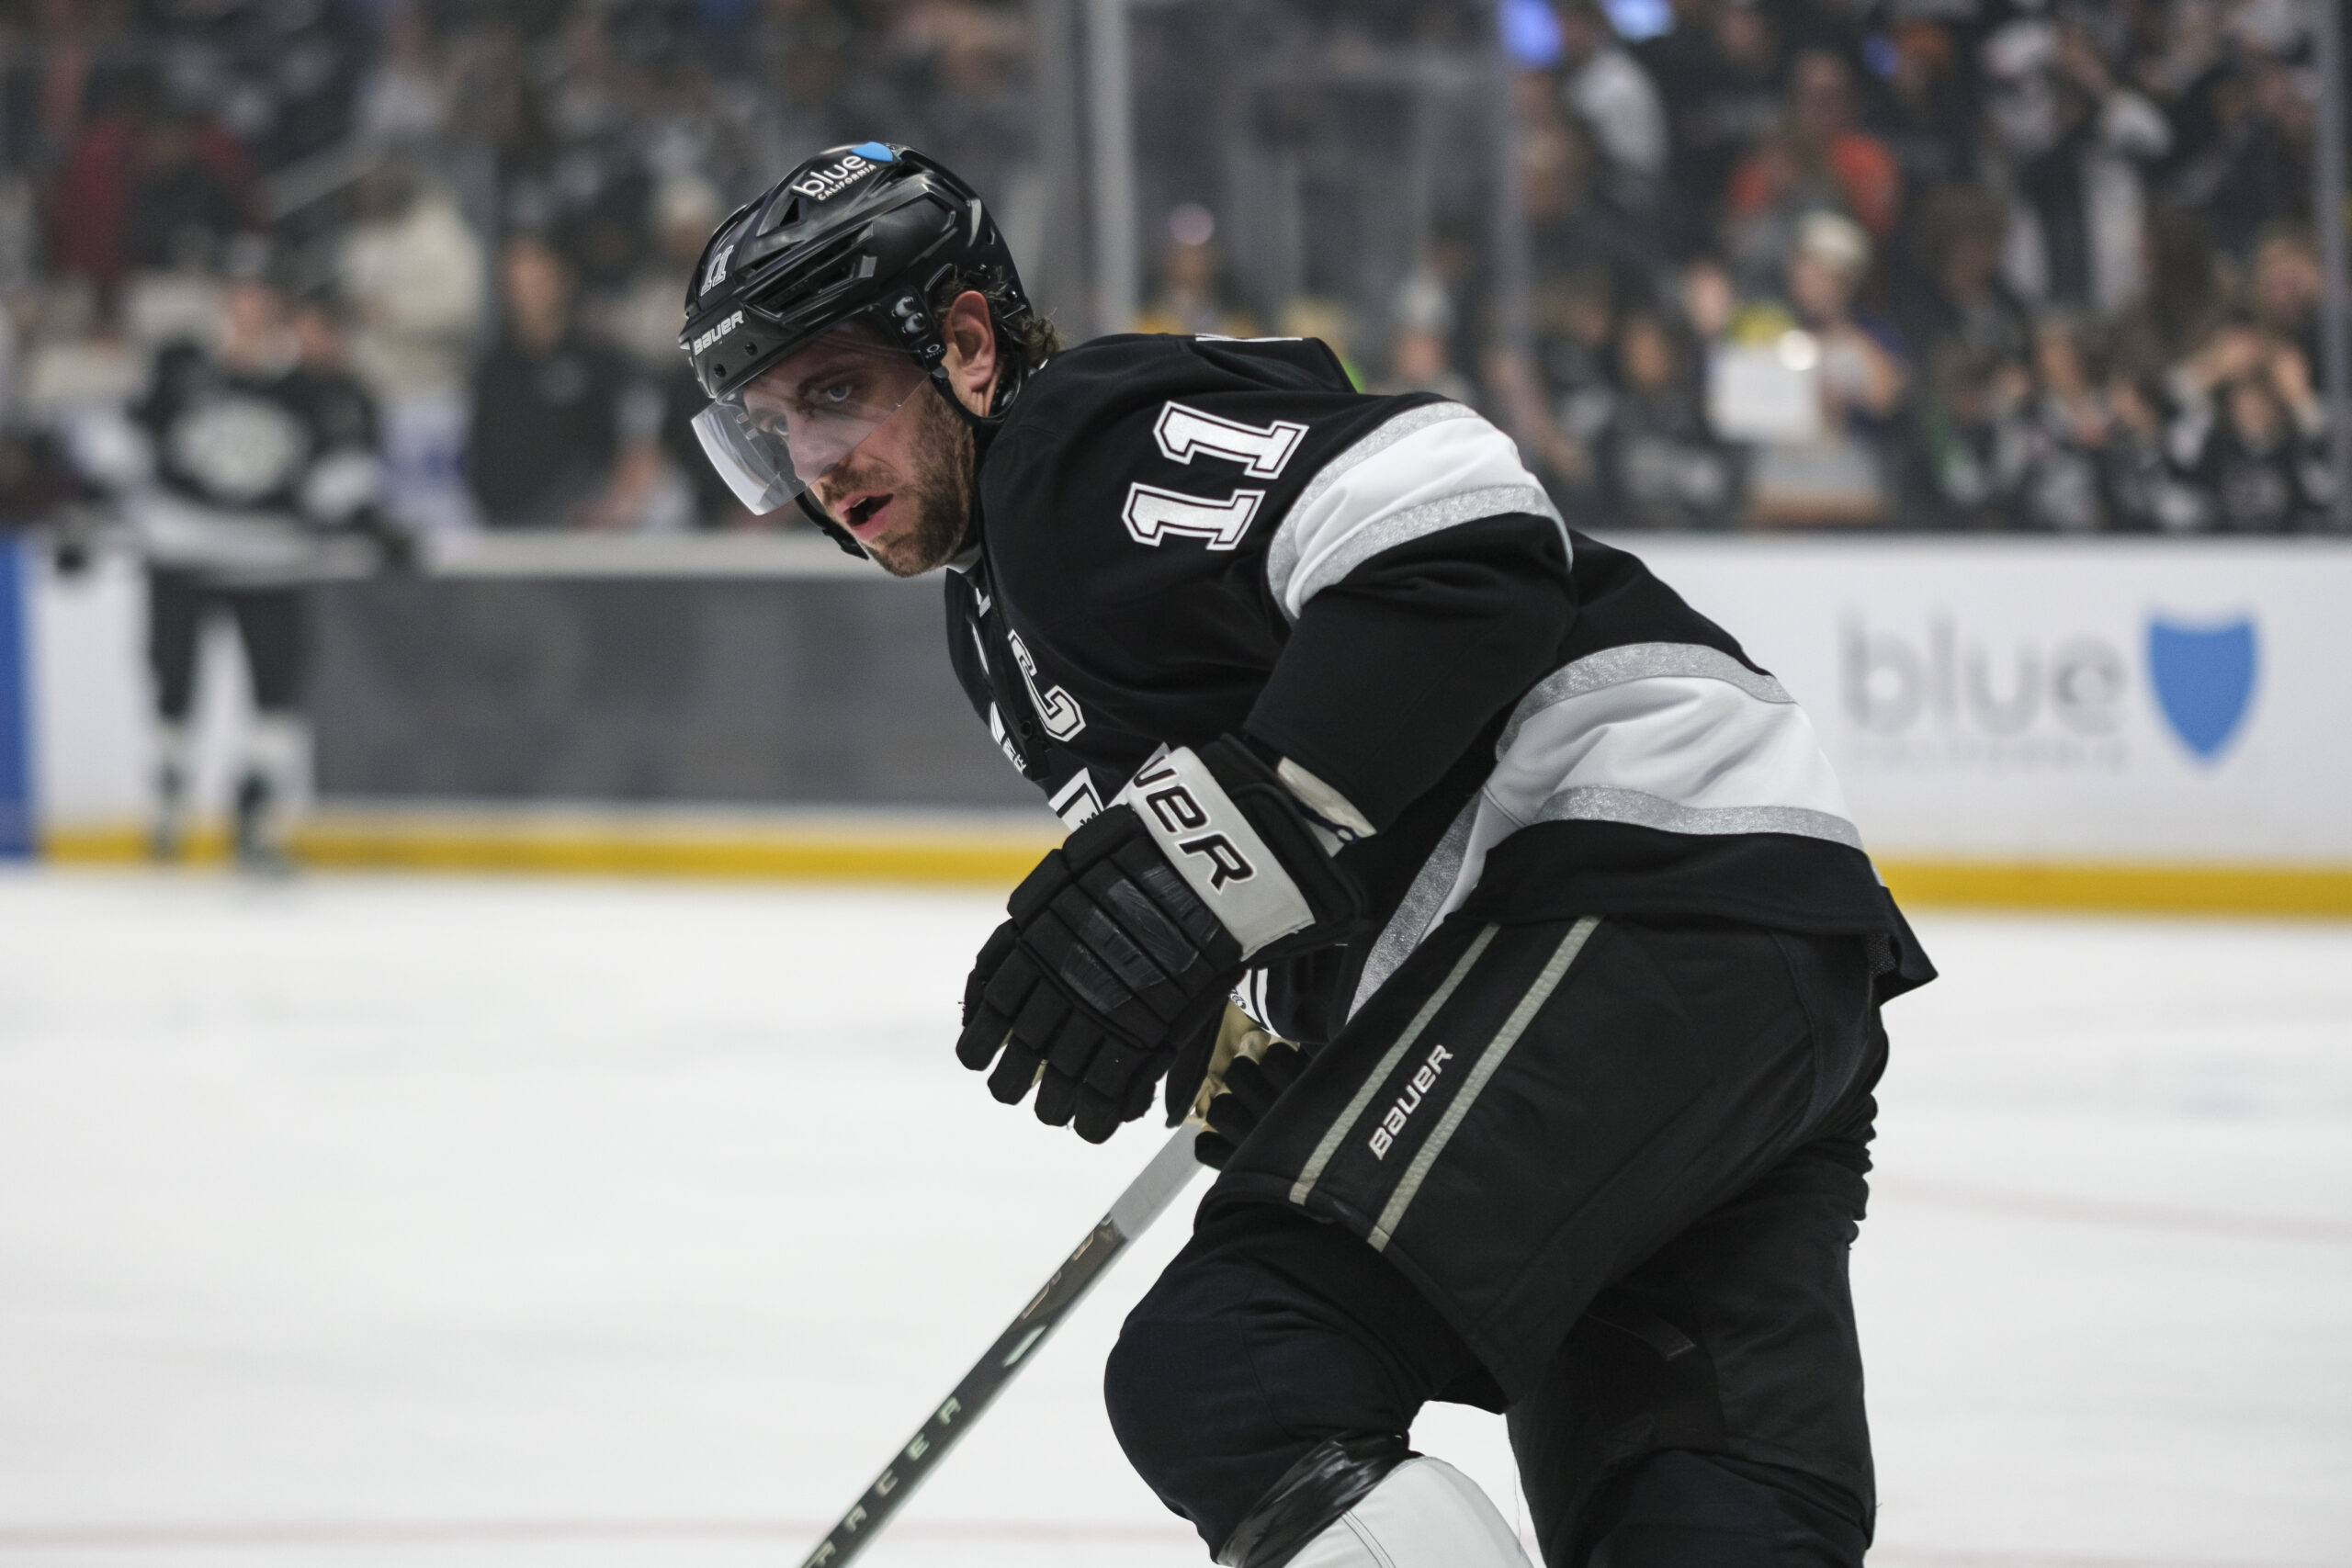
{"points": [[1029, 340]]}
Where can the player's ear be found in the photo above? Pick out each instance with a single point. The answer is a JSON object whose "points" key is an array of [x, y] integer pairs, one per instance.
{"points": [[971, 350]]}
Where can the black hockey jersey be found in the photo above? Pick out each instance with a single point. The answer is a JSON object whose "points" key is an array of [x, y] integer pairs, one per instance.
{"points": [[1185, 538], [249, 467]]}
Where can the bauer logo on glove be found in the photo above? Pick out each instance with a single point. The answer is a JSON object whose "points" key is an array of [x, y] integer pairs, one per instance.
{"points": [[1125, 942]]}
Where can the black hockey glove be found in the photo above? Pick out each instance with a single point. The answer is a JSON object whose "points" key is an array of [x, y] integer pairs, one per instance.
{"points": [[1125, 942], [1252, 1084]]}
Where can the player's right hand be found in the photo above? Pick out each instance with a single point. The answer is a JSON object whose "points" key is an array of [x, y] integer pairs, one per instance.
{"points": [[1125, 942], [1107, 970]]}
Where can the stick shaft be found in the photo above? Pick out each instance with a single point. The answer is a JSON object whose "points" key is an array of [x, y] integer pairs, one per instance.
{"points": [[1150, 1193]]}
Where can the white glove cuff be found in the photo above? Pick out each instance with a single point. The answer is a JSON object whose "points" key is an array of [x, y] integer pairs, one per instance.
{"points": [[1214, 847]]}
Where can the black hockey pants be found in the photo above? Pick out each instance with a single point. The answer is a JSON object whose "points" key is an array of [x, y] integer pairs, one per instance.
{"points": [[269, 621], [1677, 1141]]}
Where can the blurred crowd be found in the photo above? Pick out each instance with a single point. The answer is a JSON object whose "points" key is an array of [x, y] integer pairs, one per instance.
{"points": [[1946, 263], [2032, 264], [483, 212]]}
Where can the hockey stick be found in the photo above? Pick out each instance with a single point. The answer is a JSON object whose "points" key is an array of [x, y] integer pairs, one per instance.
{"points": [[1152, 1190]]}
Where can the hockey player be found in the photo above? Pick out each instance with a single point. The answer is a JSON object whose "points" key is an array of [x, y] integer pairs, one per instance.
{"points": [[253, 460], [1551, 883]]}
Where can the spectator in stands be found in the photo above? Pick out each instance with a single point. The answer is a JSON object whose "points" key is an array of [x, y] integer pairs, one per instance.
{"points": [[2078, 142], [2257, 170], [1814, 160], [563, 432], [1858, 371], [1952, 289], [1967, 453], [1420, 356], [1863, 370], [2143, 492], [186, 200], [2283, 291], [1725, 96], [403, 98], [2063, 429], [1602, 85], [196, 172], [411, 269], [2182, 300], [1576, 220], [1923, 114], [1664, 468], [1567, 398], [2251, 435], [71, 60], [1193, 296]]}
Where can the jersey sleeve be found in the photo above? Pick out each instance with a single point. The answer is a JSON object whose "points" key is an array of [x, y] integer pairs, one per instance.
{"points": [[1426, 574]]}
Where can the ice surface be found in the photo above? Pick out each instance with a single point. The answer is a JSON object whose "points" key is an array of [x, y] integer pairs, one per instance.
{"points": [[408, 1222]]}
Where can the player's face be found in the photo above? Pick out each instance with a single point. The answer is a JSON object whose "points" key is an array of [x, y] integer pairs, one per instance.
{"points": [[906, 492], [881, 453]]}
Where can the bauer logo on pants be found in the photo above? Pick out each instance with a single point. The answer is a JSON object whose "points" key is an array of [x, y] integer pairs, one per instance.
{"points": [[1424, 1079]]}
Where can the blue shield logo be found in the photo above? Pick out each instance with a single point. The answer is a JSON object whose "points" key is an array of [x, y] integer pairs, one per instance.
{"points": [[2204, 679]]}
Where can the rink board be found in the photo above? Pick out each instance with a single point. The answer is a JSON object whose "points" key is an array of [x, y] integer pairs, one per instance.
{"points": [[2093, 724]]}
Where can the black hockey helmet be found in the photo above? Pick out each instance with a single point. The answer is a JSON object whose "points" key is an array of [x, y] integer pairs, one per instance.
{"points": [[847, 249]]}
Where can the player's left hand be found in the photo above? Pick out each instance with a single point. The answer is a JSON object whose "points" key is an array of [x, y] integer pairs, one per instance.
{"points": [[1125, 942]]}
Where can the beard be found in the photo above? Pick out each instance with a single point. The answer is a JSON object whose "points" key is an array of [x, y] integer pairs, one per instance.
{"points": [[933, 494]]}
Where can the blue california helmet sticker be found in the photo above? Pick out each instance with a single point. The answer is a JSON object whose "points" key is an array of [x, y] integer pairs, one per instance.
{"points": [[2204, 679]]}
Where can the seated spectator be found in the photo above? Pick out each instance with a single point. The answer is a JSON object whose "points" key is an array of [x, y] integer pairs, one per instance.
{"points": [[1559, 404], [1193, 296], [561, 434], [2079, 142], [1967, 453], [2144, 494], [1952, 289], [1923, 114], [1664, 468], [2065, 429], [1729, 101], [2283, 289], [1421, 356], [2255, 443], [2257, 168], [2183, 297], [403, 103], [1816, 159], [1856, 371], [1605, 87], [1574, 220], [138, 177], [412, 268]]}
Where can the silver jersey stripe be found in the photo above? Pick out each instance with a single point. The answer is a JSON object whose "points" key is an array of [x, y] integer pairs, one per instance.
{"points": [[1591, 803], [1489, 1061], [1418, 909], [1281, 556], [1637, 661], [1403, 527], [1312, 1172]]}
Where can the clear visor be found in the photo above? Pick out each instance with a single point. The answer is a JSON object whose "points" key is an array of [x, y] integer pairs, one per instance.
{"points": [[783, 431]]}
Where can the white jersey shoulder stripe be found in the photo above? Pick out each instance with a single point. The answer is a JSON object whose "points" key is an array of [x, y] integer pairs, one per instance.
{"points": [[1671, 736], [1429, 468]]}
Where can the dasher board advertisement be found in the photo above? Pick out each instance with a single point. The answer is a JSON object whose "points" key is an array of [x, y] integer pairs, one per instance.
{"points": [[2021, 700]]}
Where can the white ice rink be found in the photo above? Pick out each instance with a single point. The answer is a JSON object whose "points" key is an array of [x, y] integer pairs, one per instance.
{"points": [[404, 1223]]}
